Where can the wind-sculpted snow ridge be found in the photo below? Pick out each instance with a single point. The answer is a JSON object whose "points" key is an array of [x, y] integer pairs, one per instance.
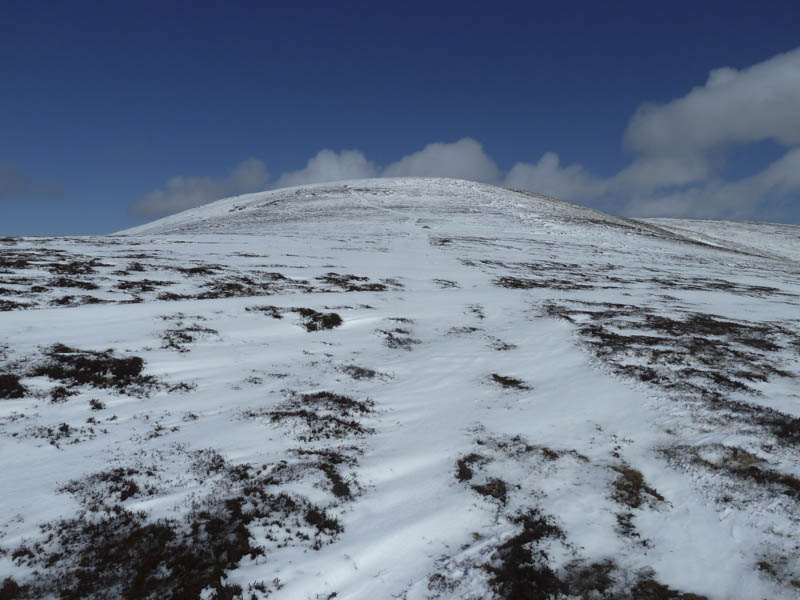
{"points": [[401, 389]]}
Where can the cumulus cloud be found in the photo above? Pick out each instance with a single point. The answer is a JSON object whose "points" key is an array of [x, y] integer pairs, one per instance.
{"points": [[182, 192], [741, 199], [680, 148], [733, 107], [16, 185], [548, 177], [327, 165], [649, 173], [464, 159]]}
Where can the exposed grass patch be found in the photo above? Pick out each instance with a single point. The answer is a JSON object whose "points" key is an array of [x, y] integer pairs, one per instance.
{"points": [[171, 296], [699, 356], [8, 305], [324, 415], [509, 382], [10, 589], [446, 283], [464, 466], [359, 373], [65, 282], [352, 283], [77, 267], [739, 464], [625, 526], [329, 461], [519, 283], [95, 490], [399, 338], [177, 338], [112, 552], [98, 369], [493, 488], [631, 490], [200, 270], [271, 311], [317, 321], [60, 394], [142, 285], [64, 433], [10, 386], [311, 319], [75, 300], [463, 330], [520, 568], [500, 345]]}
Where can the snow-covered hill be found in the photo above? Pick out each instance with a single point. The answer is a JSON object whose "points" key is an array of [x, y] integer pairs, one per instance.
{"points": [[401, 388]]}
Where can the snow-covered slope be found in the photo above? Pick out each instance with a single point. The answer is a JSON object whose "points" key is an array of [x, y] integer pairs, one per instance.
{"points": [[401, 388]]}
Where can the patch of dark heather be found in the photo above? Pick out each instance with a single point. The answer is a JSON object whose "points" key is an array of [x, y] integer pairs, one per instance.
{"points": [[509, 382], [9, 305], [322, 415], [359, 373], [354, 283], [81, 266], [10, 386], [311, 319], [66, 282], [178, 338], [465, 466], [631, 490], [446, 283], [519, 283], [738, 464], [97, 491], [700, 357], [97, 369], [141, 286], [318, 321], [398, 338], [70, 301], [521, 566], [114, 552]]}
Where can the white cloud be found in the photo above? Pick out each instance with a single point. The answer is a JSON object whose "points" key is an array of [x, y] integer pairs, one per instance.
{"points": [[464, 159], [654, 172], [745, 198], [679, 149], [327, 165], [549, 178], [733, 107], [182, 193]]}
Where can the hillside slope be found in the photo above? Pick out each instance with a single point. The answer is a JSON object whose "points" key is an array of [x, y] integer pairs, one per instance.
{"points": [[400, 388]]}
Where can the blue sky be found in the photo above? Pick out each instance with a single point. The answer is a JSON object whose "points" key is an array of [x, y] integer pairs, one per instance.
{"points": [[114, 113]]}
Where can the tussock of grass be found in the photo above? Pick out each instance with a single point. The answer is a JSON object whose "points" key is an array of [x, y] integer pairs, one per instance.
{"points": [[630, 488], [357, 372], [75, 367], [493, 488], [10, 387], [509, 382], [464, 465], [312, 320]]}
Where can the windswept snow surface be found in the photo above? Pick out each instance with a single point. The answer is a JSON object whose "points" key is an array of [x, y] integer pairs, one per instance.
{"points": [[523, 398]]}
